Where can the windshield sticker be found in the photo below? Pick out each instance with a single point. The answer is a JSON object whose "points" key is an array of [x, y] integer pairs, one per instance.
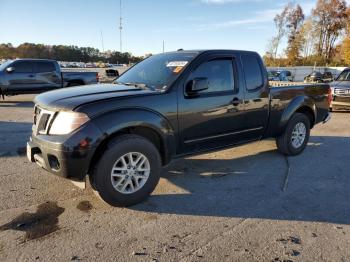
{"points": [[177, 69], [177, 64]]}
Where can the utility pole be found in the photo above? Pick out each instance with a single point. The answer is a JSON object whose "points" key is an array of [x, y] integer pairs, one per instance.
{"points": [[103, 46], [120, 27]]}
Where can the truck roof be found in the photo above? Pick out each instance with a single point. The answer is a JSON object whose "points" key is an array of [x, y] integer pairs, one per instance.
{"points": [[199, 51]]}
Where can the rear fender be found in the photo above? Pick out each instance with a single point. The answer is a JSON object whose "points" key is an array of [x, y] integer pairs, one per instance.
{"points": [[293, 106]]}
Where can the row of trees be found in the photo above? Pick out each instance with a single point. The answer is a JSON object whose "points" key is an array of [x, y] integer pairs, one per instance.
{"points": [[65, 53], [322, 38]]}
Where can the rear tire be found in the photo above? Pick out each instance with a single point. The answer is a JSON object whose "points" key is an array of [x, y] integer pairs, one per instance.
{"points": [[296, 135], [128, 171]]}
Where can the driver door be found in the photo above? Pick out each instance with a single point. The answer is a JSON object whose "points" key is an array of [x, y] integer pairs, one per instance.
{"points": [[211, 118]]}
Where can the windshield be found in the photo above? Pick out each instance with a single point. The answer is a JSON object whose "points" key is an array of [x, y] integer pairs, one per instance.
{"points": [[344, 76], [4, 65], [157, 71]]}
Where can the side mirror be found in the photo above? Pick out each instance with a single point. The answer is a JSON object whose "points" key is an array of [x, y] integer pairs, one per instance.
{"points": [[10, 70], [197, 85]]}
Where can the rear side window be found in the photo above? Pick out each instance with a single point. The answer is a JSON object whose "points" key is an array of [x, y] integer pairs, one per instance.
{"points": [[23, 67], [44, 67], [252, 72], [219, 74]]}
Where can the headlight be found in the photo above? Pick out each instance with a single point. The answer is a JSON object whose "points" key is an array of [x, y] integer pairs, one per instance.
{"points": [[66, 122]]}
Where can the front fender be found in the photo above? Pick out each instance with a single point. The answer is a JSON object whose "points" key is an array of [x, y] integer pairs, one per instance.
{"points": [[293, 106], [114, 121]]}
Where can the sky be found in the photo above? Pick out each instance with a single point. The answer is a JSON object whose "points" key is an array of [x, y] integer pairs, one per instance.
{"points": [[187, 24]]}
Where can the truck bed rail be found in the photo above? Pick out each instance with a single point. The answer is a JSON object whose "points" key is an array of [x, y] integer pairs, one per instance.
{"points": [[285, 83]]}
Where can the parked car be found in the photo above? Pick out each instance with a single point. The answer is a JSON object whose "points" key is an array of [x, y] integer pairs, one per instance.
{"points": [[282, 75], [318, 77], [90, 65], [341, 91], [28, 76], [112, 73], [168, 106]]}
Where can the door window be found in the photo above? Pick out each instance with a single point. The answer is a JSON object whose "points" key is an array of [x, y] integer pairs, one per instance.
{"points": [[23, 67], [219, 74]]}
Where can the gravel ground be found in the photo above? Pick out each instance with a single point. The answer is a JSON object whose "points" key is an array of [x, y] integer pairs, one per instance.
{"points": [[225, 206]]}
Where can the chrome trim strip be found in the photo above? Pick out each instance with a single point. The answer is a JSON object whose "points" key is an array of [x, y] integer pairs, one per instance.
{"points": [[223, 135]]}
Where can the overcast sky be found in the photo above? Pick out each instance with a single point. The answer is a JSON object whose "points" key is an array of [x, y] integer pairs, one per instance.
{"points": [[188, 24]]}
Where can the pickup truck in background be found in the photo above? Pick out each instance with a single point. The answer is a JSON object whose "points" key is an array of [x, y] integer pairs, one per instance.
{"points": [[168, 106], [31, 76], [341, 91]]}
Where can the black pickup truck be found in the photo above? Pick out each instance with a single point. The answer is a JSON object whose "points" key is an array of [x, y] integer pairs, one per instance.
{"points": [[31, 76], [168, 106]]}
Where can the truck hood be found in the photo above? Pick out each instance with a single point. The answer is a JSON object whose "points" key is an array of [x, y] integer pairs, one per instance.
{"points": [[1, 78], [70, 98], [340, 84]]}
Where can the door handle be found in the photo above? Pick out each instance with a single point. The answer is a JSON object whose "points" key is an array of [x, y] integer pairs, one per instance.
{"points": [[236, 101], [31, 75]]}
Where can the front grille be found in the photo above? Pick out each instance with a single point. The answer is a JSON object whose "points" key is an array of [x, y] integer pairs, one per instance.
{"points": [[42, 120], [342, 99], [342, 91]]}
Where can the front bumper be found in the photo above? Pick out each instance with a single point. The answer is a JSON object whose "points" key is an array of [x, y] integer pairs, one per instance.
{"points": [[65, 156], [341, 102]]}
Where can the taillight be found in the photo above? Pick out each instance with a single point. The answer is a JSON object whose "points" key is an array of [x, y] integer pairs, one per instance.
{"points": [[98, 77], [330, 96]]}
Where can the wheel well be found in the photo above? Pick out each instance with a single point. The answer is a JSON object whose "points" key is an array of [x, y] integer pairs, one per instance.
{"points": [[145, 132], [309, 113]]}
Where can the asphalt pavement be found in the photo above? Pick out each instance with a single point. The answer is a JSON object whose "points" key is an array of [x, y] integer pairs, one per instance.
{"points": [[239, 204]]}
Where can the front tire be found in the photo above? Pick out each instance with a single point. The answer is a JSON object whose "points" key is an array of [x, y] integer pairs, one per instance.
{"points": [[296, 135], [128, 171]]}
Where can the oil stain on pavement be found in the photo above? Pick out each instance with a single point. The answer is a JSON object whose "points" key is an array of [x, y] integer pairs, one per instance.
{"points": [[43, 222], [84, 206]]}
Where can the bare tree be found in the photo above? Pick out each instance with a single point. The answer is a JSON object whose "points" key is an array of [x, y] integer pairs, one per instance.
{"points": [[280, 23], [295, 19], [308, 35]]}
